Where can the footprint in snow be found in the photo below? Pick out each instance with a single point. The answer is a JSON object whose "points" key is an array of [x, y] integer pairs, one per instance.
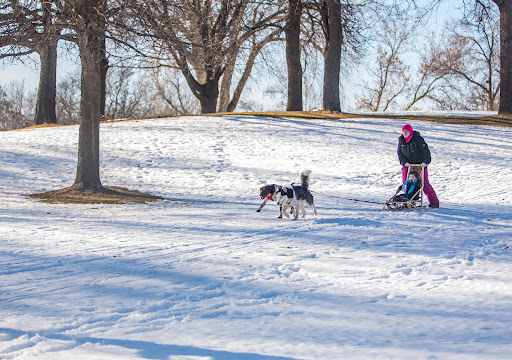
{"points": [[287, 270], [395, 296]]}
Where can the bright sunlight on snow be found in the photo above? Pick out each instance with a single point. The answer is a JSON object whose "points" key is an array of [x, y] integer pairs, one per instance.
{"points": [[201, 275]]}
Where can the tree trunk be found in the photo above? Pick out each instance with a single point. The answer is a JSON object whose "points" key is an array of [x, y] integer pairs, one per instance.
{"points": [[505, 7], [209, 96], [45, 107], [90, 36], [332, 60], [225, 87], [293, 56], [207, 93]]}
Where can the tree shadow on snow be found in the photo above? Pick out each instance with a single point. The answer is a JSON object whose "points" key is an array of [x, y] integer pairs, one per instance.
{"points": [[151, 350]]}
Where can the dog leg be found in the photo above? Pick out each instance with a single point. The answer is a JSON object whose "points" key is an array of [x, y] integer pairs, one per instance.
{"points": [[296, 206], [285, 207], [262, 204], [314, 209], [302, 209]]}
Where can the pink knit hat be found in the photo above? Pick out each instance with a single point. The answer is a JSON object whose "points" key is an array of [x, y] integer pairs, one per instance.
{"points": [[408, 128]]}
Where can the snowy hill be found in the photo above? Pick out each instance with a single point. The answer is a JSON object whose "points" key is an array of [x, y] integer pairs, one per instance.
{"points": [[202, 275]]}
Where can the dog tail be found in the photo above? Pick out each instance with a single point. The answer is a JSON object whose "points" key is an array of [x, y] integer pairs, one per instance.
{"points": [[304, 178]]}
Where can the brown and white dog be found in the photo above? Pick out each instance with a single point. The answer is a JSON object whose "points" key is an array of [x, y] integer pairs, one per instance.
{"points": [[269, 192]]}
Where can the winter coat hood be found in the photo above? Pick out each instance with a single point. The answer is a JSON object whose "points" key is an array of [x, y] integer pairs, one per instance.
{"points": [[410, 130], [414, 134]]}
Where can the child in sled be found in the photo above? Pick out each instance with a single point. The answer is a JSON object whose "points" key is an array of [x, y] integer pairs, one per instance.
{"points": [[408, 189]]}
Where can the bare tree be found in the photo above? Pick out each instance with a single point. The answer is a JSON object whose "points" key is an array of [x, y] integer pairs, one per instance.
{"points": [[203, 38], [461, 70], [88, 19], [338, 29], [342, 26], [430, 82], [124, 93], [505, 7], [169, 87], [16, 105], [334, 40], [27, 27], [68, 99], [293, 51], [390, 78], [479, 36], [131, 93]]}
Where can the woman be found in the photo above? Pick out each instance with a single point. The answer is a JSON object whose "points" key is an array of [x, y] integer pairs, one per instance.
{"points": [[412, 149]]}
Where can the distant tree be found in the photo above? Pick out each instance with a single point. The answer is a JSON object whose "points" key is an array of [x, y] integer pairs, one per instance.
{"points": [[27, 27], [460, 69], [342, 26], [293, 52], [430, 83], [68, 99], [170, 88], [505, 7], [468, 58], [390, 77], [337, 29], [202, 38], [124, 94], [16, 105], [331, 16], [131, 93]]}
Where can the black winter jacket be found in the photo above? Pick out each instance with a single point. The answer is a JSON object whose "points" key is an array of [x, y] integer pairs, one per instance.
{"points": [[415, 151]]}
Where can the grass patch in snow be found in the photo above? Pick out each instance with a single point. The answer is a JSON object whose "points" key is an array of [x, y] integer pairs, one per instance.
{"points": [[108, 195], [497, 120]]}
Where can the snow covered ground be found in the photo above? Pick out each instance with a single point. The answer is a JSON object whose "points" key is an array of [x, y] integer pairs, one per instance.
{"points": [[202, 275]]}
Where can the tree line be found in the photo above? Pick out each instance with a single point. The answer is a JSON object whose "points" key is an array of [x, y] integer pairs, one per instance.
{"points": [[458, 69], [214, 44], [450, 69]]}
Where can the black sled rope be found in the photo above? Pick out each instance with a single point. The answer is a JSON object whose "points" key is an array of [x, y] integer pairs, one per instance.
{"points": [[359, 200], [367, 201]]}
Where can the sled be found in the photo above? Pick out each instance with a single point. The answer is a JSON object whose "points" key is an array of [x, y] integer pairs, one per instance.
{"points": [[414, 203]]}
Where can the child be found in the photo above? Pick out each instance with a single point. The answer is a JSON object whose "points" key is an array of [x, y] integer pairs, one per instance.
{"points": [[406, 191]]}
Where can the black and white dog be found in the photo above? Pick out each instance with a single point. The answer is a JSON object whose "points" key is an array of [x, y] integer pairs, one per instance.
{"points": [[270, 192], [295, 197]]}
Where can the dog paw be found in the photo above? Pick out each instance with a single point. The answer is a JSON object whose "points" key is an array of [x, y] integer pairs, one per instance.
{"points": [[258, 210]]}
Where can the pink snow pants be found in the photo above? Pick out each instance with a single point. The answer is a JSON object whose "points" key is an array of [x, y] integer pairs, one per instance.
{"points": [[427, 188]]}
